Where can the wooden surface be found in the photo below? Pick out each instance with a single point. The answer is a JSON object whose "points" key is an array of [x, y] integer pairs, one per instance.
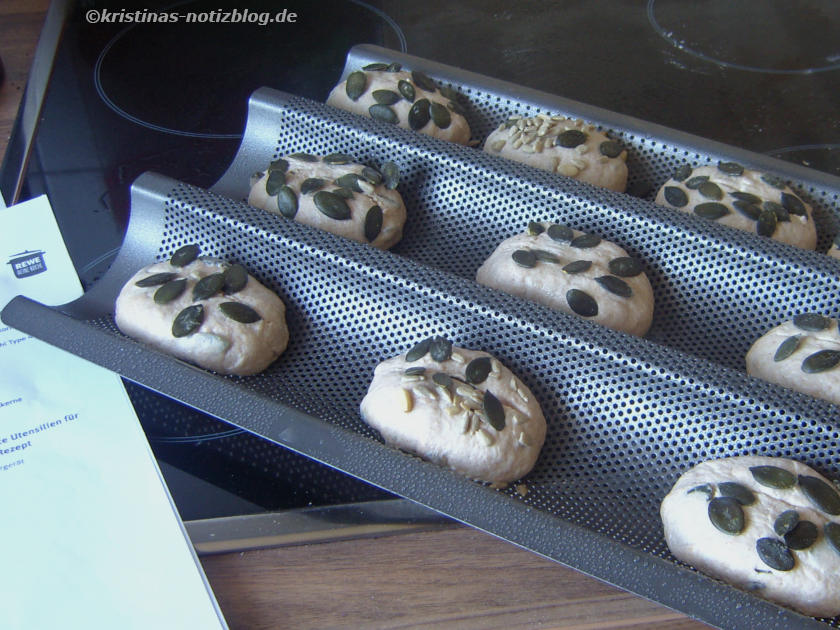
{"points": [[456, 578]]}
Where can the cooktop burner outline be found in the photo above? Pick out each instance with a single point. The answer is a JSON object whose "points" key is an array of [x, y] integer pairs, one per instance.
{"points": [[670, 38]]}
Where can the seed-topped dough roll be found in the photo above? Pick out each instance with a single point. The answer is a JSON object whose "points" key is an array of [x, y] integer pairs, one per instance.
{"points": [[575, 273], [205, 311], [766, 524], [741, 198], [802, 354], [387, 93], [562, 145], [458, 408], [334, 194]]}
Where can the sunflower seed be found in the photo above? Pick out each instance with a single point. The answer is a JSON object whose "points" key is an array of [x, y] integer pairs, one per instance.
{"points": [[775, 182], [802, 536], [774, 554], [331, 205], [773, 476], [415, 371], [440, 349], [458, 358], [695, 182], [726, 514], [676, 196], [577, 266], [208, 286], [407, 90], [383, 113], [711, 210], [571, 138], [751, 211], [422, 81], [418, 350], [386, 97], [820, 494], [787, 348], [746, 197], [741, 494], [585, 241], [832, 535], [373, 223], [524, 258], [425, 392], [287, 202], [493, 411], [625, 267], [305, 157], [610, 148], [730, 168], [155, 280], [582, 303], [407, 401], [813, 322], [682, 173], [279, 165], [377, 67], [777, 209], [419, 114], [785, 522], [710, 190], [793, 204], [498, 145], [560, 233], [477, 370], [170, 291], [338, 158], [615, 285], [534, 228], [356, 85], [820, 361], [440, 115], [239, 312], [183, 256], [390, 175], [706, 488], [187, 321]]}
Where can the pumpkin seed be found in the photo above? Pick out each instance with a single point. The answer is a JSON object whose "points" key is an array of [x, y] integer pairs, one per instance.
{"points": [[610, 148], [376, 67], [710, 190], [440, 349], [276, 179], [774, 554], [350, 180], [711, 210], [444, 380], [741, 494], [478, 369], [775, 182], [455, 107], [390, 175], [777, 209], [802, 536], [208, 286], [773, 476], [560, 232], [493, 411], [236, 277], [356, 85], [449, 92], [787, 348], [793, 204], [682, 173], [239, 312], [578, 266], [625, 267], [676, 196], [338, 158], [418, 350], [344, 193], [726, 514], [836, 241], [386, 97], [581, 303], [373, 223], [746, 197], [820, 494], [305, 157], [419, 114], [706, 488], [440, 115], [730, 168], [535, 228], [615, 285], [287, 202], [695, 182], [183, 256], [371, 175], [170, 291], [524, 258], [571, 138], [820, 361], [422, 81], [187, 321], [832, 535], [415, 371], [407, 90], [279, 165], [394, 67], [751, 211], [155, 280], [785, 522], [331, 205], [383, 113], [311, 184], [585, 241], [544, 256], [813, 322]]}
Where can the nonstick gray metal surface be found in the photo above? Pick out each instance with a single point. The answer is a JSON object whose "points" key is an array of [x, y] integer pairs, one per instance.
{"points": [[626, 416]]}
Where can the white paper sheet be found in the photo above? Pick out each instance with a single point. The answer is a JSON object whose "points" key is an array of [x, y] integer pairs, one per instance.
{"points": [[89, 537]]}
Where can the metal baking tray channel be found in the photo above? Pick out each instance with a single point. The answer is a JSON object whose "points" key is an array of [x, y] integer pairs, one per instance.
{"points": [[626, 416]]}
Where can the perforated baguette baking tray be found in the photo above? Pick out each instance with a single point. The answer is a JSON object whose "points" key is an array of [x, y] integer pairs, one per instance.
{"points": [[626, 415]]}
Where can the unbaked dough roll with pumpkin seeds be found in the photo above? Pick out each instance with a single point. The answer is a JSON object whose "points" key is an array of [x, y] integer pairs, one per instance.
{"points": [[765, 524], [562, 145], [573, 272], [412, 100], [802, 354], [205, 311], [741, 198], [334, 194], [458, 408]]}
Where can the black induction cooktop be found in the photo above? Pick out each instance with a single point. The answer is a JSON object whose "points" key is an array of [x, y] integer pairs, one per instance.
{"points": [[131, 92]]}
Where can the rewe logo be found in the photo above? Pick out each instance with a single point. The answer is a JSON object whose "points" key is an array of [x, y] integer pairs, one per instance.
{"points": [[28, 263]]}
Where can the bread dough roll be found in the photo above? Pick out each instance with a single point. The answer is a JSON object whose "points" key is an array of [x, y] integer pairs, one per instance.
{"points": [[333, 194], [244, 341], [562, 145], [575, 273], [765, 524], [802, 354], [741, 198], [458, 408], [409, 99]]}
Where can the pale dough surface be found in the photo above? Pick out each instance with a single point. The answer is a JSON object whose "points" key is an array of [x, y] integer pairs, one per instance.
{"points": [[220, 344], [547, 283], [439, 429], [811, 586], [788, 372], [533, 141], [390, 201], [457, 131], [799, 231]]}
